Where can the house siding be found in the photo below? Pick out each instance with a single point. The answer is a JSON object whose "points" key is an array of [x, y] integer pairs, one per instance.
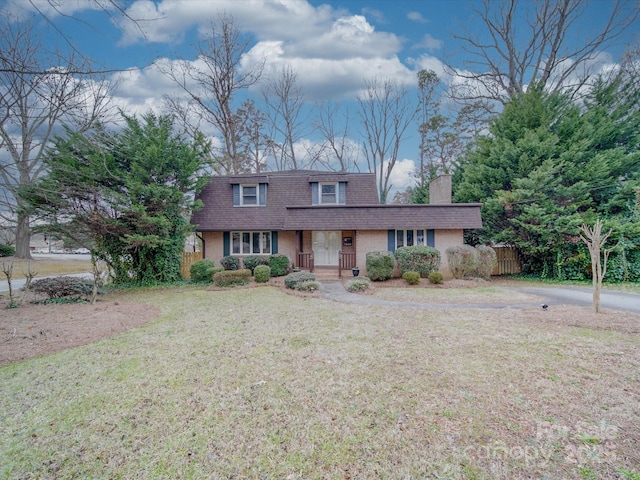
{"points": [[445, 239]]}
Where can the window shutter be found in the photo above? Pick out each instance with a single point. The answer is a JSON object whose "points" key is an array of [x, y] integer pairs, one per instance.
{"points": [[226, 242], [262, 194], [391, 240], [274, 242], [236, 194], [315, 195], [431, 238], [342, 190]]}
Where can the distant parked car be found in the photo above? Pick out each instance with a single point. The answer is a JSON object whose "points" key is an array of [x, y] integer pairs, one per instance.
{"points": [[83, 251]]}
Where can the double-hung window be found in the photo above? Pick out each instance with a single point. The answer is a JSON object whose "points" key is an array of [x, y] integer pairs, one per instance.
{"points": [[250, 243], [250, 195], [328, 193]]}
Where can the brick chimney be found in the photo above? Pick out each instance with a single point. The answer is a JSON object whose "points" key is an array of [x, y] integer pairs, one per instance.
{"points": [[440, 189]]}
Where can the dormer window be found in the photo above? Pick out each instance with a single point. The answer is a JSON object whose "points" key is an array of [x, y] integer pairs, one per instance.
{"points": [[250, 194], [328, 193]]}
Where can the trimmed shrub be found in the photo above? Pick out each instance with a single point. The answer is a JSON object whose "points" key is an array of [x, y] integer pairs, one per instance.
{"points": [[59, 287], [380, 266], [291, 280], [279, 264], [307, 286], [231, 278], [418, 258], [262, 273], [436, 278], [252, 261], [462, 260], [202, 271], [487, 261], [358, 284], [6, 250], [412, 278], [230, 262]]}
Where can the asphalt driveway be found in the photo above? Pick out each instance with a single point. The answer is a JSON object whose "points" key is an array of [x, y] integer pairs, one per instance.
{"points": [[548, 295]]}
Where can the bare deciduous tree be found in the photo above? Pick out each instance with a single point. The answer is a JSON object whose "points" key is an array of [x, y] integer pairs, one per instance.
{"points": [[510, 57], [337, 152], [284, 101], [211, 84], [32, 107], [385, 114], [595, 241], [253, 140]]}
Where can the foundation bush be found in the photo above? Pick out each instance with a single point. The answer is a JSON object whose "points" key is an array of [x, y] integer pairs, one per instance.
{"points": [[279, 264], [293, 279], [231, 278], [412, 278], [230, 262], [262, 273], [380, 266], [418, 258]]}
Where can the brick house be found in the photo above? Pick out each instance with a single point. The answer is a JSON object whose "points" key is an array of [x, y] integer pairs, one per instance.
{"points": [[323, 220]]}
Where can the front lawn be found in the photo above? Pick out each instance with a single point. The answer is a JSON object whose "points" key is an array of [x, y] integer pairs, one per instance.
{"points": [[255, 383]]}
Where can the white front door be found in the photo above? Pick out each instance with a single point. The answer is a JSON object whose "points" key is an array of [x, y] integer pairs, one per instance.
{"points": [[326, 247]]}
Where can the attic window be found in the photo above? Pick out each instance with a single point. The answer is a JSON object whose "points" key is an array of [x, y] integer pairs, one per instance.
{"points": [[328, 193], [250, 194]]}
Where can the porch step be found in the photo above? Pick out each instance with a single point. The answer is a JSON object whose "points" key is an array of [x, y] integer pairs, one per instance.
{"points": [[330, 274]]}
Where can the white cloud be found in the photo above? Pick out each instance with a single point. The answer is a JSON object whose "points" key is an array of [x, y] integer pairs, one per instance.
{"points": [[429, 43], [19, 9], [331, 51], [416, 17], [402, 175]]}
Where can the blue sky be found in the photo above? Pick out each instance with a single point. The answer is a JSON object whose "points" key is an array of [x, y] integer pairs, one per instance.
{"points": [[332, 45]]}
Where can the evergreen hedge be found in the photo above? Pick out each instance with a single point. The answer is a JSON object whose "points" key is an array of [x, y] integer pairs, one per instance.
{"points": [[380, 266], [418, 258]]}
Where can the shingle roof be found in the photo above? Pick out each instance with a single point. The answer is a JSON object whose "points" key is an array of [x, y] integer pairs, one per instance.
{"points": [[289, 206], [383, 217]]}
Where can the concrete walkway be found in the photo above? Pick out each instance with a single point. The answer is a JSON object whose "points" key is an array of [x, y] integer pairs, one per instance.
{"points": [[547, 295]]}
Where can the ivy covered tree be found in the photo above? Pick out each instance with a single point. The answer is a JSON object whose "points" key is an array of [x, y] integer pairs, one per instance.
{"points": [[550, 165], [130, 192]]}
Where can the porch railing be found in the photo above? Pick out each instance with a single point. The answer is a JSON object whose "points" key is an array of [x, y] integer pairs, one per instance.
{"points": [[305, 260], [347, 260]]}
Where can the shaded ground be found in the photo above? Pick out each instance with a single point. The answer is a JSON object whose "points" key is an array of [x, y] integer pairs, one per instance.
{"points": [[35, 329]]}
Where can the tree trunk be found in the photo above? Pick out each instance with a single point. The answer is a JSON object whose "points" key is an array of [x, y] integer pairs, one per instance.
{"points": [[23, 236]]}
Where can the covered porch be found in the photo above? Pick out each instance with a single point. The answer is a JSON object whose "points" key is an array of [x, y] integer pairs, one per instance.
{"points": [[331, 252]]}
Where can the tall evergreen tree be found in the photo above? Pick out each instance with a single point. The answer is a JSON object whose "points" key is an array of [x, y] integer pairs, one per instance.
{"points": [[130, 192], [550, 165]]}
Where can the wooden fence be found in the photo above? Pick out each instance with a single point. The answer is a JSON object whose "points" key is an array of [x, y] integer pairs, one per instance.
{"points": [[188, 259], [508, 261]]}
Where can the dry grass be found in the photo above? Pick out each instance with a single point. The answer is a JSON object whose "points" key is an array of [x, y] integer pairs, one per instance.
{"points": [[255, 383], [46, 266]]}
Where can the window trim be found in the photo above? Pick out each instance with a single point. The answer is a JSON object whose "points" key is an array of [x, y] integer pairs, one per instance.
{"points": [[414, 237], [239, 194], [242, 195], [262, 235]]}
